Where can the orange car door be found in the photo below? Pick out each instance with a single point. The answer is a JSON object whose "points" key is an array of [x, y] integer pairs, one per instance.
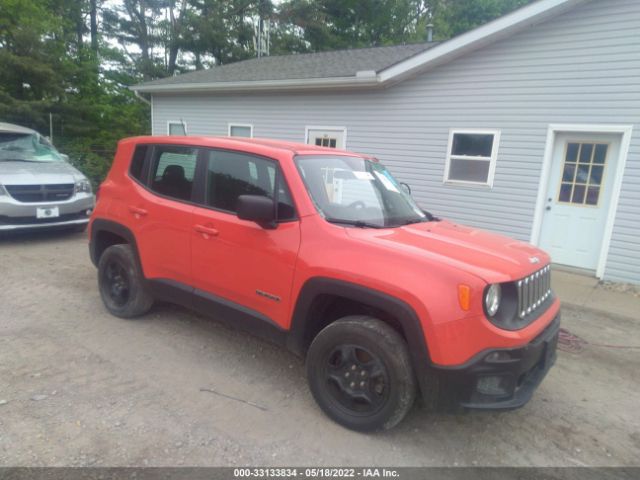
{"points": [[161, 213], [236, 260]]}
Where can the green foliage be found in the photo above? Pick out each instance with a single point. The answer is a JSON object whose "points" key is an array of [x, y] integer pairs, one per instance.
{"points": [[335, 24], [315, 25], [46, 69], [453, 17], [75, 59]]}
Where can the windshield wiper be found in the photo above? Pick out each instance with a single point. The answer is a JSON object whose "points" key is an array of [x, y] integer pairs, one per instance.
{"points": [[429, 218], [354, 223], [416, 220]]}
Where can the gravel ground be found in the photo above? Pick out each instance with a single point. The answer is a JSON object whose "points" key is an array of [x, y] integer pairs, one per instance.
{"points": [[79, 387]]}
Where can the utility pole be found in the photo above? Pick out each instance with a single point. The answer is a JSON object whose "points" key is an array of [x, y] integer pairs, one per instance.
{"points": [[262, 39]]}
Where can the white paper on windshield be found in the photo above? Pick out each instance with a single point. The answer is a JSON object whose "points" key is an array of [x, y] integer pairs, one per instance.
{"points": [[363, 175], [388, 184]]}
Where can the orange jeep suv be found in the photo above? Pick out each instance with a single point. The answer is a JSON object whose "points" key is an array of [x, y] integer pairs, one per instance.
{"points": [[324, 252]]}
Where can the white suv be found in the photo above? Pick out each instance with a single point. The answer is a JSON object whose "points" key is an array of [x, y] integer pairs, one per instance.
{"points": [[38, 187]]}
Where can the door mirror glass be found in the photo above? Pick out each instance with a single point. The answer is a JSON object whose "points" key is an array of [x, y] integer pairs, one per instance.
{"points": [[257, 208], [405, 188]]}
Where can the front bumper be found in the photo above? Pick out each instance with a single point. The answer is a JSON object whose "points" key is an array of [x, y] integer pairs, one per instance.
{"points": [[16, 215], [500, 379]]}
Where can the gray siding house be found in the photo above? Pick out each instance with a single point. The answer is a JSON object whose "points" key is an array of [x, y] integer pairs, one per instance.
{"points": [[527, 126]]}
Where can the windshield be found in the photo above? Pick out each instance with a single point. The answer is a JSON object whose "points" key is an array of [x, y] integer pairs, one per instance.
{"points": [[356, 191], [26, 147]]}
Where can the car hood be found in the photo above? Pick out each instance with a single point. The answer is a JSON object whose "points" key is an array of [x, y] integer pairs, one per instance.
{"points": [[494, 258], [37, 173]]}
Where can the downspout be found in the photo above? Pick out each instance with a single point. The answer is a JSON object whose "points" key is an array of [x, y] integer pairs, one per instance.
{"points": [[140, 97]]}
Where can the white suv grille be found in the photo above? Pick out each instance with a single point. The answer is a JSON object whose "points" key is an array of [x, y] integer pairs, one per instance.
{"points": [[533, 291]]}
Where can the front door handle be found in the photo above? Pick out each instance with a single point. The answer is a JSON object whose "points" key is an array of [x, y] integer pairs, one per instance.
{"points": [[137, 211], [206, 231]]}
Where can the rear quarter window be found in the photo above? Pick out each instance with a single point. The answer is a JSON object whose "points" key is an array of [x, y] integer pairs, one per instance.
{"points": [[137, 163]]}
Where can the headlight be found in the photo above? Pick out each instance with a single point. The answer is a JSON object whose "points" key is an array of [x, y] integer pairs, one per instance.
{"points": [[492, 299], [83, 186]]}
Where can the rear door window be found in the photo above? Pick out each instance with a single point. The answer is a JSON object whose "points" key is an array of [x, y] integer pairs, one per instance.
{"points": [[173, 170]]}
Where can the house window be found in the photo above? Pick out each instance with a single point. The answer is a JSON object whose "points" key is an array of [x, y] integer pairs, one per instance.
{"points": [[582, 173], [240, 130], [176, 128], [326, 142], [471, 157], [329, 137]]}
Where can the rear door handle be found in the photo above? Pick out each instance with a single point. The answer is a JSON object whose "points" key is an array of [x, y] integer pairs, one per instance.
{"points": [[206, 231], [138, 212]]}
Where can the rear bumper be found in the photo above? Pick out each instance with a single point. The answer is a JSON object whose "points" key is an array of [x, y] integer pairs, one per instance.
{"points": [[501, 379]]}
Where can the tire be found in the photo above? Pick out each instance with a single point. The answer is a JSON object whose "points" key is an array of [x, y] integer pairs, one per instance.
{"points": [[340, 353], [122, 286]]}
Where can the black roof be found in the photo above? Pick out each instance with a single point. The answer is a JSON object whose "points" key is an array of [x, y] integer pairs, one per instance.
{"points": [[338, 63]]}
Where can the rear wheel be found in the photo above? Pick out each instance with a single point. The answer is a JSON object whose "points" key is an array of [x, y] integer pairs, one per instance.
{"points": [[122, 285], [360, 373]]}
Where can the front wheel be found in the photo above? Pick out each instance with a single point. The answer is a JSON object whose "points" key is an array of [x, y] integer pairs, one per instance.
{"points": [[360, 373], [122, 284]]}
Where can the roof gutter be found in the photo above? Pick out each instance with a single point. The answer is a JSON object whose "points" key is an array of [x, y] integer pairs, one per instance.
{"points": [[361, 79]]}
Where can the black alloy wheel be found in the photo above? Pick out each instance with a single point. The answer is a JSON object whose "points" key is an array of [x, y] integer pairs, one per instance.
{"points": [[122, 285], [360, 373]]}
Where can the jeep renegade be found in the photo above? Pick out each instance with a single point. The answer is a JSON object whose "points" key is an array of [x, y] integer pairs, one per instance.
{"points": [[324, 252]]}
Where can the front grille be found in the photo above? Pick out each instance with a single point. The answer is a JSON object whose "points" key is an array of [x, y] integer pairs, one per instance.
{"points": [[53, 192], [533, 291]]}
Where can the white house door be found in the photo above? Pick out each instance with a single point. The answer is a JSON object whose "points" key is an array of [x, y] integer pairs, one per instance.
{"points": [[326, 137], [578, 198]]}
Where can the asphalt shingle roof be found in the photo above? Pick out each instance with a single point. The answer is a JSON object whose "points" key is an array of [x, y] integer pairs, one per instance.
{"points": [[338, 63]]}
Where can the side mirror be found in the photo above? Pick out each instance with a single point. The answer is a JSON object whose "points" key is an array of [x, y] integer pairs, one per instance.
{"points": [[65, 157], [405, 188], [257, 208]]}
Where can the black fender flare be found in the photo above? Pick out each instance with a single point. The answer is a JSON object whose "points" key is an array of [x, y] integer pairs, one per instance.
{"points": [[406, 316], [100, 225]]}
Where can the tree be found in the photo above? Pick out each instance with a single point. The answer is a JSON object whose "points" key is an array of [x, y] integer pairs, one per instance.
{"points": [[46, 68], [133, 24], [34, 69], [453, 17], [75, 59], [334, 24]]}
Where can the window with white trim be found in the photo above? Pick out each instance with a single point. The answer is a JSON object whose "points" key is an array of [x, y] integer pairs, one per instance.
{"points": [[240, 130], [176, 128], [471, 156]]}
